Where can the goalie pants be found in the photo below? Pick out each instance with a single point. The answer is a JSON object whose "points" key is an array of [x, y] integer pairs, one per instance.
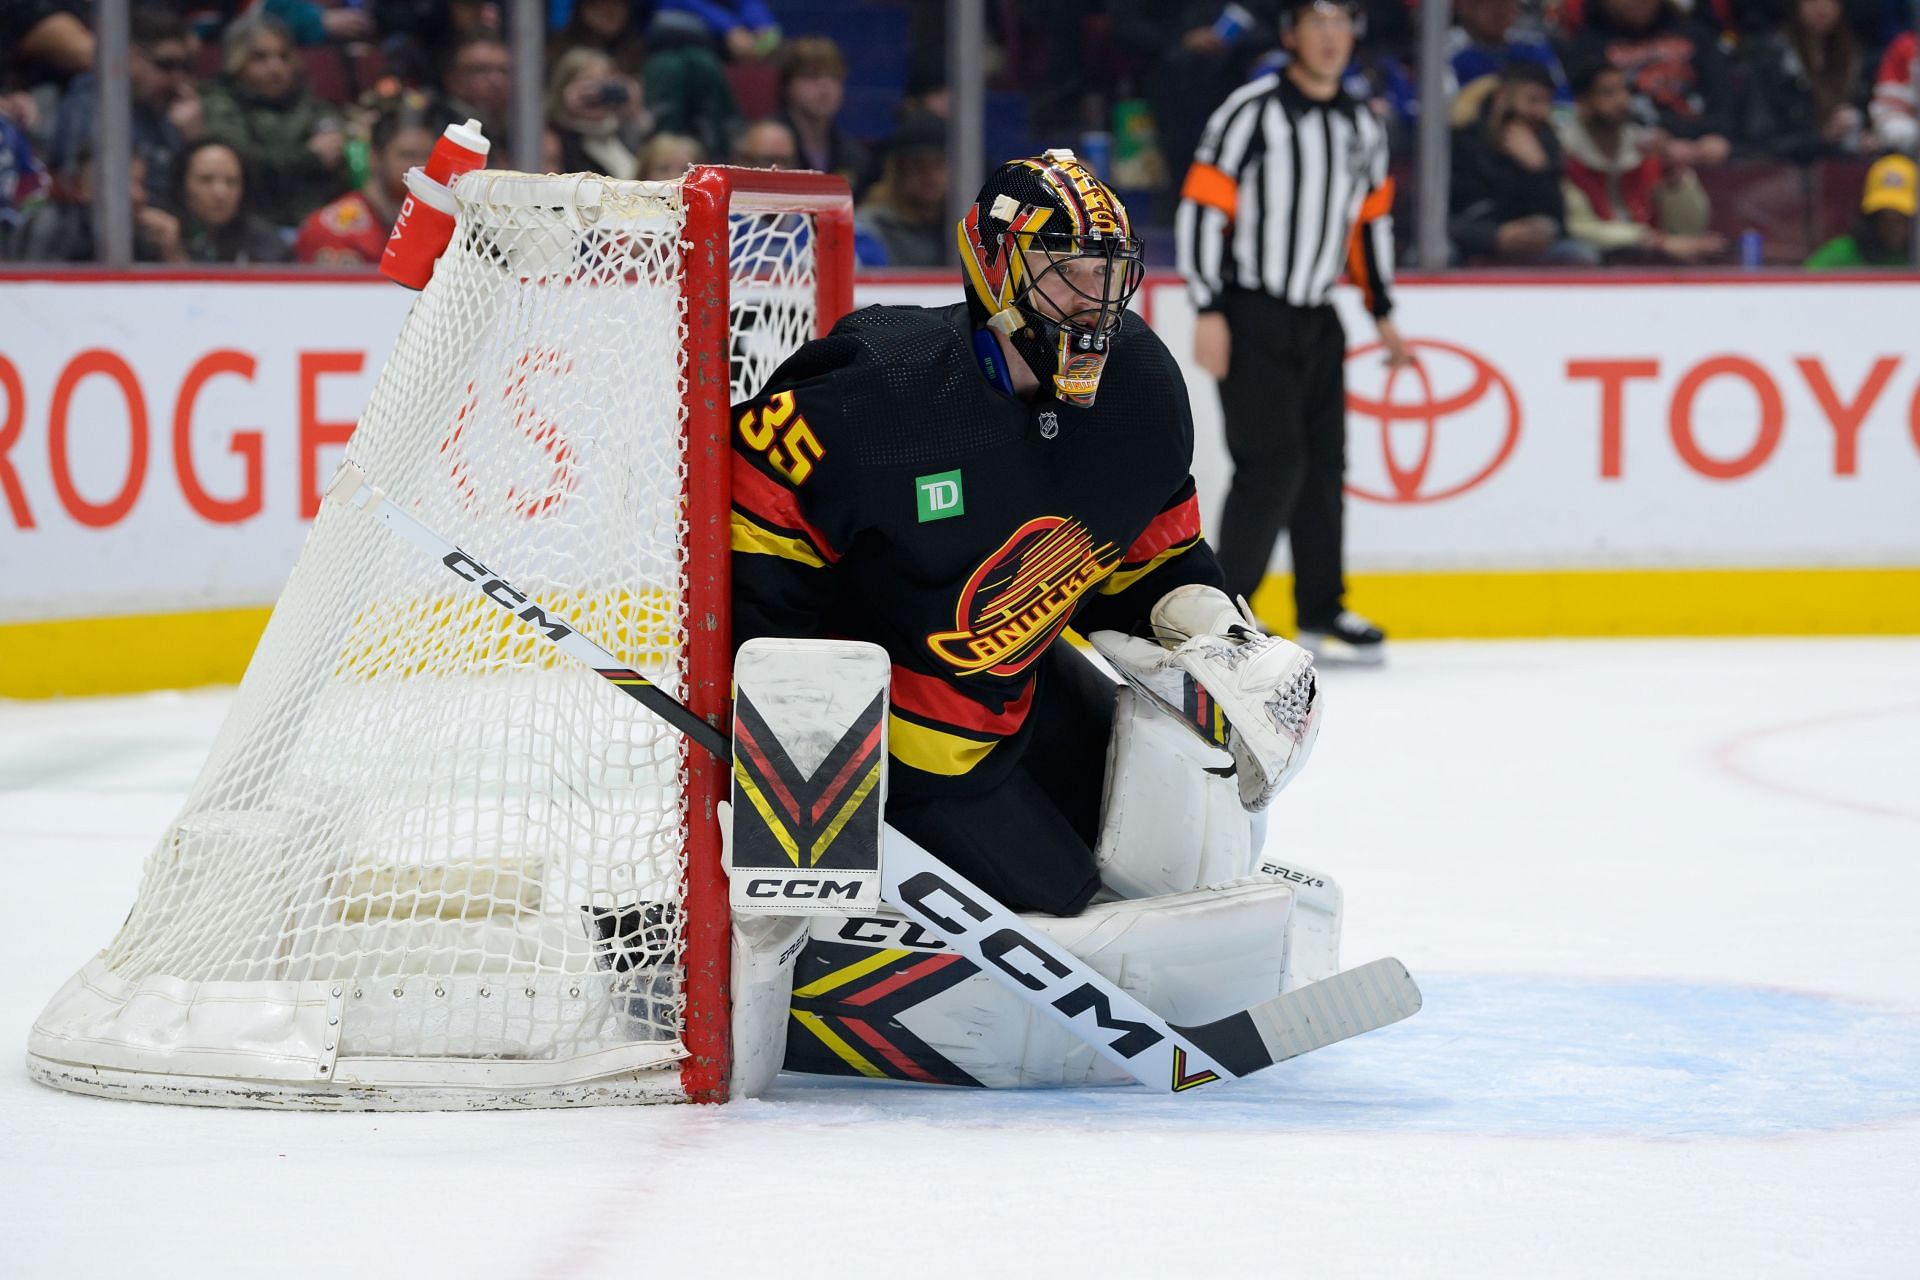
{"points": [[1284, 398], [1029, 842]]}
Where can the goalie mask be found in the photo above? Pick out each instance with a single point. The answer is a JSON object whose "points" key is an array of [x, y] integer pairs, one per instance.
{"points": [[1052, 262]]}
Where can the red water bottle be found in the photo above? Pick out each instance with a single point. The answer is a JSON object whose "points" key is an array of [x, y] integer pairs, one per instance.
{"points": [[461, 149], [421, 233], [424, 227]]}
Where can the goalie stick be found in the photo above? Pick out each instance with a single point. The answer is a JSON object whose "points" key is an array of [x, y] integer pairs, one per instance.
{"points": [[1157, 1053]]}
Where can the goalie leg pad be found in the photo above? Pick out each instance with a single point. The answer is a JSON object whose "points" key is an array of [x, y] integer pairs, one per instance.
{"points": [[1168, 824], [764, 951], [1313, 947], [876, 996]]}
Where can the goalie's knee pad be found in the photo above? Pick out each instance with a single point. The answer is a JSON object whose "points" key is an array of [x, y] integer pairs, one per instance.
{"points": [[878, 996], [1172, 819]]}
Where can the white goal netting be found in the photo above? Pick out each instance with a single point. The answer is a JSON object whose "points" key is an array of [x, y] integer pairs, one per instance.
{"points": [[430, 861]]}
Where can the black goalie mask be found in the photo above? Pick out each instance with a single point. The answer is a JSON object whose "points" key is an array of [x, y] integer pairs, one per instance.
{"points": [[1052, 262]]}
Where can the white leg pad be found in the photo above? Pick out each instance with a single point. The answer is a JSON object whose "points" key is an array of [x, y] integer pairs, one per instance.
{"points": [[1190, 957], [1167, 825], [1314, 947], [764, 951]]}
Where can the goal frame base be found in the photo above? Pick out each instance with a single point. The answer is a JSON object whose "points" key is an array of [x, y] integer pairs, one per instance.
{"points": [[638, 1088]]}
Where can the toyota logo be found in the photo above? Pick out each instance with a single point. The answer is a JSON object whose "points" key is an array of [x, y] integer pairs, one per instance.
{"points": [[1441, 431]]}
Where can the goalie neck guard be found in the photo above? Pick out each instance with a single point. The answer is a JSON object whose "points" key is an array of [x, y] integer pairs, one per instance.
{"points": [[1051, 261]]}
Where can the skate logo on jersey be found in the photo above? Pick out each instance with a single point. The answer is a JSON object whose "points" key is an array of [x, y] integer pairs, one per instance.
{"points": [[1022, 596]]}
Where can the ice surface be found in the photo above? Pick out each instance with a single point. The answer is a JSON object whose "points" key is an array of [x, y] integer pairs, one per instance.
{"points": [[1663, 899]]}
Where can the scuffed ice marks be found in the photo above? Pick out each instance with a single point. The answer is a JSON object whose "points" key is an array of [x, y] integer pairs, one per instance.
{"points": [[1498, 1056]]}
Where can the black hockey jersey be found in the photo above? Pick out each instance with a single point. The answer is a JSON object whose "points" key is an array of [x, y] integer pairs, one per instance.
{"points": [[885, 490]]}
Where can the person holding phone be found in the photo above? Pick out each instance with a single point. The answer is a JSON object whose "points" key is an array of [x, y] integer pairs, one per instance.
{"points": [[599, 115]]}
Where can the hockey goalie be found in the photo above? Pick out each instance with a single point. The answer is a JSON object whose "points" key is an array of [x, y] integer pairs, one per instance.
{"points": [[956, 488]]}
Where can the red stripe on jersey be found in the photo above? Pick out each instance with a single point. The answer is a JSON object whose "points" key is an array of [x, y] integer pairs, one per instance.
{"points": [[770, 503], [932, 698], [1172, 526]]}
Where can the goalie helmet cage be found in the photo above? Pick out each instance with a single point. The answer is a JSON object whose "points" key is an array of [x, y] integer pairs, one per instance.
{"points": [[429, 863]]}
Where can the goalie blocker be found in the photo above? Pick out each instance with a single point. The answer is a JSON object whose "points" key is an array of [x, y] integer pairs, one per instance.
{"points": [[829, 980]]}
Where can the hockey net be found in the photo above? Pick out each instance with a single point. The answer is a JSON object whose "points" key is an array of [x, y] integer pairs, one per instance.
{"points": [[430, 862]]}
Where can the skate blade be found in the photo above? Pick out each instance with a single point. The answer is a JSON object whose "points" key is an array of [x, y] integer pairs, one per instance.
{"points": [[1332, 651]]}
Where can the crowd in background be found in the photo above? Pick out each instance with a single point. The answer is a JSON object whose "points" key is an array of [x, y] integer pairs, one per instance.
{"points": [[1584, 132]]}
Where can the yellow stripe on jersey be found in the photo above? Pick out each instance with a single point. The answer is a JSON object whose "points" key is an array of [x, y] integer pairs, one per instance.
{"points": [[1121, 579], [750, 539], [931, 751]]}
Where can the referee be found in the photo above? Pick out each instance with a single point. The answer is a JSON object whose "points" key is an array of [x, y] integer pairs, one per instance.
{"points": [[1289, 187]]}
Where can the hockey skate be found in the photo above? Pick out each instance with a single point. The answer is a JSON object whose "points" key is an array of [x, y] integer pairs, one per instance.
{"points": [[1350, 640]]}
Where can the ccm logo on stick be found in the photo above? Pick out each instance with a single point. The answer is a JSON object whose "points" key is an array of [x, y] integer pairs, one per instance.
{"points": [[777, 888], [1026, 962], [506, 597]]}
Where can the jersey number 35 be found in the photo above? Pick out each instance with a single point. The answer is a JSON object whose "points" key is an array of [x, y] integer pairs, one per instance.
{"points": [[784, 436]]}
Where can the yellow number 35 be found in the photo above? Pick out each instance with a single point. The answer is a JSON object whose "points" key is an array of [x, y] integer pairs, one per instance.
{"points": [[796, 449]]}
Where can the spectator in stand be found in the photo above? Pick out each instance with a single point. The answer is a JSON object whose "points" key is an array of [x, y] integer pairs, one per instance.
{"points": [[813, 83], [926, 85], [1487, 35], [598, 114], [766, 144], [605, 25], [1506, 199], [744, 30], [353, 230], [1679, 79], [293, 143], [1622, 197], [905, 212], [167, 111], [421, 34], [668, 156], [1196, 53], [1804, 86], [476, 82], [312, 24], [1895, 121], [23, 178], [1883, 237], [214, 223], [687, 87], [44, 37], [1874, 22], [61, 229]]}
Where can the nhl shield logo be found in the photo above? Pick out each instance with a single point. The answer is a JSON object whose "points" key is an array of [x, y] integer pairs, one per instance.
{"points": [[1049, 425]]}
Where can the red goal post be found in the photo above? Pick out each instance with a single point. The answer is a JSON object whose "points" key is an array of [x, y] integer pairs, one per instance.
{"points": [[712, 193]]}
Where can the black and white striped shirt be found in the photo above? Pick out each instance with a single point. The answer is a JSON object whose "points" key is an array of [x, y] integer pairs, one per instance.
{"points": [[1285, 193]]}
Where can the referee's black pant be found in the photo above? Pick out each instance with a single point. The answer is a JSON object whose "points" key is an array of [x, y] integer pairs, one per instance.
{"points": [[1284, 397]]}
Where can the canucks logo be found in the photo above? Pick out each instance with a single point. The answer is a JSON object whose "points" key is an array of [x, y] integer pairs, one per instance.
{"points": [[1022, 596]]}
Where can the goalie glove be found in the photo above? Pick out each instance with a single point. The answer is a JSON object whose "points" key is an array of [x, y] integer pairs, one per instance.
{"points": [[1213, 669]]}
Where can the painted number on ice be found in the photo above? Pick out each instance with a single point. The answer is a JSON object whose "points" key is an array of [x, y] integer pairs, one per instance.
{"points": [[783, 436]]}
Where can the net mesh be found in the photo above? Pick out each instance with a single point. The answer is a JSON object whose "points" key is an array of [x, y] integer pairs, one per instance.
{"points": [[473, 843]]}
